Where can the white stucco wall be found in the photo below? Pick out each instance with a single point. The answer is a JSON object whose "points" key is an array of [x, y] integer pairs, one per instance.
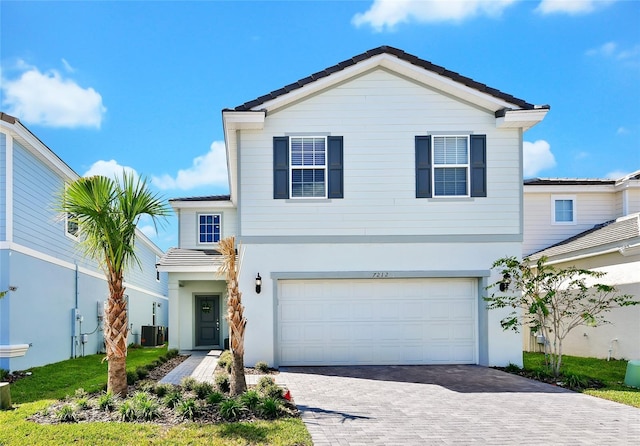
{"points": [[335, 259]]}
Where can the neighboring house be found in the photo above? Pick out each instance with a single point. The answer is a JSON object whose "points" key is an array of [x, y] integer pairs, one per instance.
{"points": [[55, 295], [371, 199], [590, 224]]}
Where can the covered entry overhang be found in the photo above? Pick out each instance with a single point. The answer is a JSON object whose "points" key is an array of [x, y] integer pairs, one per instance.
{"points": [[197, 299]]}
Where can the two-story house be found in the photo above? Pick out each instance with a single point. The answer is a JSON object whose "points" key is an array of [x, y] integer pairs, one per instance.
{"points": [[55, 297], [590, 224], [370, 200]]}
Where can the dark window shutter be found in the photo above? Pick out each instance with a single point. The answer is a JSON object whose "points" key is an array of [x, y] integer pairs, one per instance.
{"points": [[423, 166], [280, 167], [478, 166], [334, 167]]}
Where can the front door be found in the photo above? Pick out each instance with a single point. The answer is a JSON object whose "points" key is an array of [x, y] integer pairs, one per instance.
{"points": [[207, 320]]}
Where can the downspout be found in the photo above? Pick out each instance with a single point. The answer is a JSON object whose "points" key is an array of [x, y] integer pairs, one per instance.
{"points": [[74, 313]]}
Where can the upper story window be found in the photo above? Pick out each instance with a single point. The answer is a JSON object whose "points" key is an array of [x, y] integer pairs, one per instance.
{"points": [[70, 225], [209, 228], [564, 212], [308, 167], [450, 166]]}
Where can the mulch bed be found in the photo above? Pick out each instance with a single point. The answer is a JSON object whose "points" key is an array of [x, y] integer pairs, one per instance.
{"points": [[166, 416], [561, 381]]}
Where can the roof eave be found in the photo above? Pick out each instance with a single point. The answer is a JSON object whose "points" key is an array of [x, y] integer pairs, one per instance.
{"points": [[524, 119]]}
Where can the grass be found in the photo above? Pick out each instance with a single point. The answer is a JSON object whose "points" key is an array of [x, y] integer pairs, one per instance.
{"points": [[610, 373], [46, 384]]}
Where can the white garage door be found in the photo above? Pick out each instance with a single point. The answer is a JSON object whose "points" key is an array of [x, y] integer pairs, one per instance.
{"points": [[384, 321]]}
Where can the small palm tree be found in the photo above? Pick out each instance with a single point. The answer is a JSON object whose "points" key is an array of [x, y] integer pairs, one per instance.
{"points": [[107, 212], [235, 316]]}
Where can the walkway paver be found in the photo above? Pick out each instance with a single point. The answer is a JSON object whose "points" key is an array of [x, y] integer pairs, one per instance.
{"points": [[200, 364], [425, 405]]}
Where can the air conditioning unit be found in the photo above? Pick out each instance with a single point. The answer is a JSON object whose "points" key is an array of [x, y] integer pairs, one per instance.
{"points": [[149, 336]]}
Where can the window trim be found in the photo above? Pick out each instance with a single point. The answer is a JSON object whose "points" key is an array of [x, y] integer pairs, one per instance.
{"points": [[325, 168], [213, 214], [554, 199], [435, 166]]}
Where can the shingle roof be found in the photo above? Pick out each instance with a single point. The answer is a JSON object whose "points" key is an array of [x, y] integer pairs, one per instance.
{"points": [[566, 181], [191, 257], [614, 232], [204, 198], [248, 106]]}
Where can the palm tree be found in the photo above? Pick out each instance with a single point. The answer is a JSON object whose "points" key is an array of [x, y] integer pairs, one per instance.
{"points": [[107, 212], [235, 316]]}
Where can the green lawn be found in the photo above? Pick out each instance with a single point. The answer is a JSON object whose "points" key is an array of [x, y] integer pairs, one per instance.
{"points": [[611, 373], [35, 393]]}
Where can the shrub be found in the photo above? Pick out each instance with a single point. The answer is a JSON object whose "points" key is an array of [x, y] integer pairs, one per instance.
{"points": [[171, 353], [147, 410], [127, 411], [268, 388], [66, 414], [162, 389], [172, 399], [270, 408], [576, 382], [3, 374], [222, 382], [202, 389], [230, 409], [142, 372], [106, 402], [82, 403], [250, 399], [215, 398], [188, 383], [80, 393], [225, 360], [188, 409], [147, 386], [262, 367], [512, 368], [132, 377]]}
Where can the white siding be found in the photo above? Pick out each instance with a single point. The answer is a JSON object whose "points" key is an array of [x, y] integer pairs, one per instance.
{"points": [[539, 230], [3, 185], [189, 226], [378, 114], [633, 200]]}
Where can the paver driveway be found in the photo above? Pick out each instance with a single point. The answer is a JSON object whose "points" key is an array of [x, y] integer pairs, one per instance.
{"points": [[424, 405]]}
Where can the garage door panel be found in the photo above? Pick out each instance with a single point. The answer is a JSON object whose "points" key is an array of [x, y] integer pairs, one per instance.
{"points": [[397, 321]]}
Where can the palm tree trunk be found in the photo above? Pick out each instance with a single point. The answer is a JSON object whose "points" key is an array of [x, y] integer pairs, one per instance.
{"points": [[237, 324], [115, 338]]}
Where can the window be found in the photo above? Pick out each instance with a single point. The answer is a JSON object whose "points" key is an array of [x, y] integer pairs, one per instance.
{"points": [[209, 228], [564, 212], [71, 225], [450, 165], [308, 167]]}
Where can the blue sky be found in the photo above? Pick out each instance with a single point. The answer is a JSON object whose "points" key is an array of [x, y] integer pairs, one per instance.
{"points": [[141, 85]]}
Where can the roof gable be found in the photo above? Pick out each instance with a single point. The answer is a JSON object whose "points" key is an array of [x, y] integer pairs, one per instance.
{"points": [[395, 60]]}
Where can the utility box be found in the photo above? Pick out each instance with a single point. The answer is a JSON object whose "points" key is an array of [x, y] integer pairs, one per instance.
{"points": [[162, 335], [149, 336]]}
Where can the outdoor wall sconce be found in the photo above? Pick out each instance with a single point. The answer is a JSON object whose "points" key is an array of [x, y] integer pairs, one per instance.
{"points": [[258, 284], [504, 283]]}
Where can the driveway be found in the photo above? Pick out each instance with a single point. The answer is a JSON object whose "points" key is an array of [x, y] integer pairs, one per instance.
{"points": [[425, 405]]}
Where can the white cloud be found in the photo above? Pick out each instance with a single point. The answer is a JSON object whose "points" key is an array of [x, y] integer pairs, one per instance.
{"points": [[616, 174], [611, 50], [571, 7], [622, 131], [148, 230], [110, 169], [537, 157], [386, 14], [209, 169], [51, 100]]}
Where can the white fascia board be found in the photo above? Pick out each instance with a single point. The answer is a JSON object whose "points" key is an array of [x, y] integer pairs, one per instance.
{"points": [[37, 148], [188, 269], [205, 205], [392, 63], [244, 120], [567, 189], [13, 351], [524, 119]]}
